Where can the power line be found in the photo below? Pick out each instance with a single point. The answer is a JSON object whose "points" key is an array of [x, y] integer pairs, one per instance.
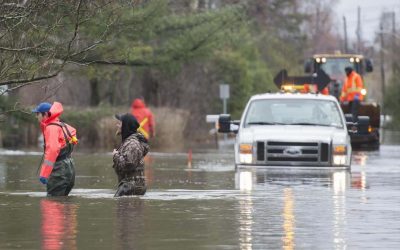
{"points": [[358, 30], [369, 8]]}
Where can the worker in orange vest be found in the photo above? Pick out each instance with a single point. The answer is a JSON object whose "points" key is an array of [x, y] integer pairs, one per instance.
{"points": [[352, 91], [145, 118]]}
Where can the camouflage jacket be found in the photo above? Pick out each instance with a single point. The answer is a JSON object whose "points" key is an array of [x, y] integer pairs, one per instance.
{"points": [[130, 156]]}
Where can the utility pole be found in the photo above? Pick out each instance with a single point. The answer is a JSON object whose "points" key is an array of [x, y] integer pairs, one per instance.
{"points": [[345, 34], [393, 42], [358, 32], [317, 34], [382, 71]]}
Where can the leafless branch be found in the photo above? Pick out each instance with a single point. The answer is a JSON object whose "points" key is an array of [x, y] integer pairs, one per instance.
{"points": [[14, 110], [138, 63], [28, 80], [53, 91], [75, 30]]}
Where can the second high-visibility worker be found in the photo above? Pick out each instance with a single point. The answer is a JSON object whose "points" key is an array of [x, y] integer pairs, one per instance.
{"points": [[352, 91], [352, 87], [145, 118]]}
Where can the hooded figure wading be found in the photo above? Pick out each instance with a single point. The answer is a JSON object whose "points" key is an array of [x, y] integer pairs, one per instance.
{"points": [[129, 157]]}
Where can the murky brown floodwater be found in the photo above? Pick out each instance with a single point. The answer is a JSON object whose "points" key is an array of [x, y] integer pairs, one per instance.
{"points": [[208, 205]]}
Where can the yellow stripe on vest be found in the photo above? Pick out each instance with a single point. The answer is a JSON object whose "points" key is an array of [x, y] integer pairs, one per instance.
{"points": [[142, 130]]}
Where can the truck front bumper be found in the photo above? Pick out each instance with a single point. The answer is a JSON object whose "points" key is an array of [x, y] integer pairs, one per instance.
{"points": [[330, 167]]}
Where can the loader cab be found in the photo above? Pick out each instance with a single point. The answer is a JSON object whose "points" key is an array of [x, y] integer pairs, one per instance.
{"points": [[334, 64], [367, 132]]}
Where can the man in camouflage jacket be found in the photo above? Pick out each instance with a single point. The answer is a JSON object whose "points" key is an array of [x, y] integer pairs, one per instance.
{"points": [[129, 158]]}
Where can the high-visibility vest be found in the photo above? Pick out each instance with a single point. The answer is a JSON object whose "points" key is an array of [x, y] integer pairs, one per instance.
{"points": [[352, 87], [141, 128]]}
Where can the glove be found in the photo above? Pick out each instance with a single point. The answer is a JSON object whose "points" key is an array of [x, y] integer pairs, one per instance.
{"points": [[43, 180]]}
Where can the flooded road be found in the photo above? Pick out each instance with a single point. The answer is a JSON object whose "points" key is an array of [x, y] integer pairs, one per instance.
{"points": [[206, 205]]}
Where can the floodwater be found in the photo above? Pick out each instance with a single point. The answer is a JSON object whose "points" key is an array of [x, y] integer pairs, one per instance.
{"points": [[206, 205]]}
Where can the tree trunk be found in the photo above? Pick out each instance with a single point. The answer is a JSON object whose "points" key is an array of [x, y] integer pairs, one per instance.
{"points": [[94, 92], [150, 89]]}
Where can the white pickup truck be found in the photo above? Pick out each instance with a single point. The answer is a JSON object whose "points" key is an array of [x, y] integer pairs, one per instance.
{"points": [[290, 129]]}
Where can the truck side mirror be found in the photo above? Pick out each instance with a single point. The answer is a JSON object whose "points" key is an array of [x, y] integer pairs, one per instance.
{"points": [[224, 123], [359, 126], [352, 127], [308, 66], [368, 65]]}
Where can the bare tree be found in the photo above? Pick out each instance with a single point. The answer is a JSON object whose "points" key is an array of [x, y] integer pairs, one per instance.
{"points": [[39, 38]]}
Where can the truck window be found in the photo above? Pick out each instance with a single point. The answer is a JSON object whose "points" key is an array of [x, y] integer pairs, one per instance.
{"points": [[334, 67]]}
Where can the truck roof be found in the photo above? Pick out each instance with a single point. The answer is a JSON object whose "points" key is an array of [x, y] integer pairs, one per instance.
{"points": [[284, 95], [339, 55]]}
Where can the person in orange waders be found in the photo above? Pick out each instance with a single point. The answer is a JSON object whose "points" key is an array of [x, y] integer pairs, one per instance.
{"points": [[351, 91], [145, 118], [57, 170]]}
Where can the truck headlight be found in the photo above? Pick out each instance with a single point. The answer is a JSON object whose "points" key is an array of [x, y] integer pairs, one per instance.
{"points": [[363, 91], [339, 159], [246, 153], [339, 154]]}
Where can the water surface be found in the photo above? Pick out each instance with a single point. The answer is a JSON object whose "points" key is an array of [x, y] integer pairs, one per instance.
{"points": [[207, 204]]}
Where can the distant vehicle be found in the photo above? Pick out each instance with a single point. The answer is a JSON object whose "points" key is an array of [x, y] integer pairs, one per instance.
{"points": [[290, 129], [369, 112]]}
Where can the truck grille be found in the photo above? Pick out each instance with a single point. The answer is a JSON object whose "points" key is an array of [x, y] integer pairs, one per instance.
{"points": [[292, 153]]}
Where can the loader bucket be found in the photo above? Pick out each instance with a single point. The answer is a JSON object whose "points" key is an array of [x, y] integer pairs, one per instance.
{"points": [[371, 110]]}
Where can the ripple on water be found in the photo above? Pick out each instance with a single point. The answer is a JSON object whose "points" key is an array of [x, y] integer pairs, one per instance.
{"points": [[168, 194], [19, 152]]}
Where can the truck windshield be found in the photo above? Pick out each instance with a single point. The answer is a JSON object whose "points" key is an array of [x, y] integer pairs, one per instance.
{"points": [[293, 112], [334, 67]]}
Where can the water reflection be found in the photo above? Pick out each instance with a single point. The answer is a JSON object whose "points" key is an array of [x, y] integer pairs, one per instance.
{"points": [[340, 182], [288, 220], [359, 180], [340, 185], [245, 221], [359, 175], [244, 180], [359, 158], [3, 175], [291, 185], [129, 222], [247, 180], [59, 224], [148, 170]]}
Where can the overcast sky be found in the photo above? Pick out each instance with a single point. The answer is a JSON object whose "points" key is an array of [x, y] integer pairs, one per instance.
{"points": [[370, 13]]}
